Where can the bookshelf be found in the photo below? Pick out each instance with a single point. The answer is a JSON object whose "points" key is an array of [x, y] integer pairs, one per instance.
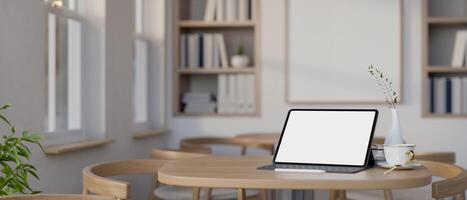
{"points": [[441, 20], [188, 18]]}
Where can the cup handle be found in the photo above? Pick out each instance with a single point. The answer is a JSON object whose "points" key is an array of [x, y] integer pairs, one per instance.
{"points": [[411, 154]]}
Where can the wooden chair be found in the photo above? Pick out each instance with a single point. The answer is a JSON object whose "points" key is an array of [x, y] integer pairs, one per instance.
{"points": [[164, 191], [57, 197], [442, 157], [96, 181], [172, 154], [176, 154], [204, 143], [455, 182]]}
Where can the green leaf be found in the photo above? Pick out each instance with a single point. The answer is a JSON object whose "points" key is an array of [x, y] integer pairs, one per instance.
{"points": [[5, 106], [15, 173], [3, 118]]}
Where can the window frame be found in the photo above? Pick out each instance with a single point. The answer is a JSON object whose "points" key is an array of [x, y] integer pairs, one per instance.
{"points": [[148, 16], [79, 94]]}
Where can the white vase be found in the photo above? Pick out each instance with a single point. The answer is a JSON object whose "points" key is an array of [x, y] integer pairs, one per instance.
{"points": [[239, 61], [395, 134]]}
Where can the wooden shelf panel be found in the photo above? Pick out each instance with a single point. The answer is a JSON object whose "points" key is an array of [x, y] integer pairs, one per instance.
{"points": [[438, 115], [149, 133], [446, 69], [214, 24], [217, 71], [447, 20], [75, 146]]}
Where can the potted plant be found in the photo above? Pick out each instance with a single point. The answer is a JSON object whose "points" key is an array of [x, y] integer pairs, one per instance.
{"points": [[14, 157], [391, 98], [240, 60]]}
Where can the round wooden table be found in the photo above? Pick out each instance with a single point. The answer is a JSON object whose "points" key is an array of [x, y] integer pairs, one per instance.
{"points": [[241, 172], [259, 138]]}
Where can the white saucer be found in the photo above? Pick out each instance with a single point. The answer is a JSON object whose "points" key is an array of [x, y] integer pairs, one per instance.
{"points": [[406, 166]]}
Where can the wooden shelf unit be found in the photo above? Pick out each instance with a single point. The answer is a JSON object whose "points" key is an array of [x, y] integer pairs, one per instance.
{"points": [[445, 69], [217, 71], [215, 24], [446, 20], [182, 24], [429, 25]]}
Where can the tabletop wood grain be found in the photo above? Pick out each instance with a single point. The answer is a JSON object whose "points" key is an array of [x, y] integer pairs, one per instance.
{"points": [[241, 172]]}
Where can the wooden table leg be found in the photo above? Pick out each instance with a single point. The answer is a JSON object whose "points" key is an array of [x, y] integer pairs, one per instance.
{"points": [[342, 195], [263, 194], [333, 194], [207, 193], [387, 195], [195, 195], [273, 194], [460, 196], [241, 194]]}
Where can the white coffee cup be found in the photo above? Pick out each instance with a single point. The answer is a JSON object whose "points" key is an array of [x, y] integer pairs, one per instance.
{"points": [[399, 154]]}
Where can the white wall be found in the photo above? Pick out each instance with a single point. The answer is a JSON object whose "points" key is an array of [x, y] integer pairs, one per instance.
{"points": [[428, 134], [23, 83]]}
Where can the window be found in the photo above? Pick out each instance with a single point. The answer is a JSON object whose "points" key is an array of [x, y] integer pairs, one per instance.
{"points": [[75, 70], [64, 67], [140, 70], [148, 81]]}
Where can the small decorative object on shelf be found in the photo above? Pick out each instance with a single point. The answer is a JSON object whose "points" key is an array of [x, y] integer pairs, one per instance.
{"points": [[14, 155], [395, 134], [240, 60]]}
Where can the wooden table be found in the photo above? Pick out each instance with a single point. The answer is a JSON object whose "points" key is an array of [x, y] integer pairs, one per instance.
{"points": [[240, 172], [259, 138]]}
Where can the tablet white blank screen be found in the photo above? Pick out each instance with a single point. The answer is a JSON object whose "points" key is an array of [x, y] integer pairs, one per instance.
{"points": [[326, 137]]}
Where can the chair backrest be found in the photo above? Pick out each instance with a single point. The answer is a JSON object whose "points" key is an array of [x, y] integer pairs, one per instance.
{"points": [[173, 154], [444, 157], [454, 183], [204, 143], [57, 197], [95, 176]]}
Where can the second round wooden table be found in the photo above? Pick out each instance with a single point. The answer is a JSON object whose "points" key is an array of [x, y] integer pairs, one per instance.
{"points": [[241, 172]]}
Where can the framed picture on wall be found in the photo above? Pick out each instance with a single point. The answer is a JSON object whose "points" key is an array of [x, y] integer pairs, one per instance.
{"points": [[331, 43]]}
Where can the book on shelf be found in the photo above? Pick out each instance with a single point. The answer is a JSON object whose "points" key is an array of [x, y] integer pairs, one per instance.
{"points": [[448, 95], [220, 10], [431, 95], [222, 93], [464, 95], [183, 51], [208, 50], [222, 50], [439, 101], [216, 52], [235, 93], [241, 93], [231, 93], [229, 10], [210, 10], [242, 10], [459, 51], [250, 92], [251, 6], [200, 51], [203, 51], [193, 52], [199, 102], [456, 94]]}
